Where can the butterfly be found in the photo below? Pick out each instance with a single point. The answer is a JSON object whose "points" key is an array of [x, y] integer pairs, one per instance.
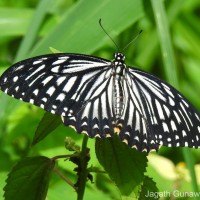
{"points": [[102, 98]]}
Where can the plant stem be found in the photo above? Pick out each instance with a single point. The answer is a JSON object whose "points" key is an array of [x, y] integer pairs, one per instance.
{"points": [[83, 172], [63, 177]]}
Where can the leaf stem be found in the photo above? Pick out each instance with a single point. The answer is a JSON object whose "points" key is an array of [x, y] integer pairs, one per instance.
{"points": [[64, 178], [83, 171]]}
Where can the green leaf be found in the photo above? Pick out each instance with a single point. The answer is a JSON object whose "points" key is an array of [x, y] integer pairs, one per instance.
{"points": [[124, 165], [66, 35], [148, 187], [48, 123], [29, 179], [14, 21]]}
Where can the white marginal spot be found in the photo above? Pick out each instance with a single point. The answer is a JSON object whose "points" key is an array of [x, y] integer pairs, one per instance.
{"points": [[160, 136], [184, 133], [53, 111], [15, 78], [177, 144], [197, 137], [6, 90], [173, 125], [5, 79], [186, 144], [31, 101], [51, 90], [63, 114], [165, 127], [42, 106]]}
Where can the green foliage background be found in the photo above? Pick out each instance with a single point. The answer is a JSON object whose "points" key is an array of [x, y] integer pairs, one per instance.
{"points": [[29, 28]]}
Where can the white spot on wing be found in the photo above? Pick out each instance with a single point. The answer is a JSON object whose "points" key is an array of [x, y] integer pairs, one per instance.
{"points": [[61, 97], [58, 61], [15, 78], [46, 80], [160, 110], [69, 84], [173, 125], [37, 62], [184, 133], [165, 127], [36, 92], [55, 69], [51, 90], [36, 71], [60, 80]]}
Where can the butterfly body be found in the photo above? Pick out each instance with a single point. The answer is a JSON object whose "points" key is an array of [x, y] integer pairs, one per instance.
{"points": [[101, 98]]}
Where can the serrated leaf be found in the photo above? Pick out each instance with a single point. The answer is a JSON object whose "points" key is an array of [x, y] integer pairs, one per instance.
{"points": [[124, 165], [148, 189], [48, 123], [29, 179]]}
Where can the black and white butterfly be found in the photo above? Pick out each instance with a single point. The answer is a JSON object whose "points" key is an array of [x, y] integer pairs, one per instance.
{"points": [[102, 98]]}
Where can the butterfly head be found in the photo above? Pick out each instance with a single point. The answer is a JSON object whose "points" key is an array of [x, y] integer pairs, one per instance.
{"points": [[119, 57]]}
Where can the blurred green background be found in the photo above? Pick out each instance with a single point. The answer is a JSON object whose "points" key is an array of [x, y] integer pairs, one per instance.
{"points": [[30, 28]]}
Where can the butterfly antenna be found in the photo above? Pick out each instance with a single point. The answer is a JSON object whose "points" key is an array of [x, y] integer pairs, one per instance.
{"points": [[133, 40], [108, 35]]}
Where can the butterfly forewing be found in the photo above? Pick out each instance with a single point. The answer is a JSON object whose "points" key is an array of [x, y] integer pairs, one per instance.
{"points": [[101, 98], [59, 83]]}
